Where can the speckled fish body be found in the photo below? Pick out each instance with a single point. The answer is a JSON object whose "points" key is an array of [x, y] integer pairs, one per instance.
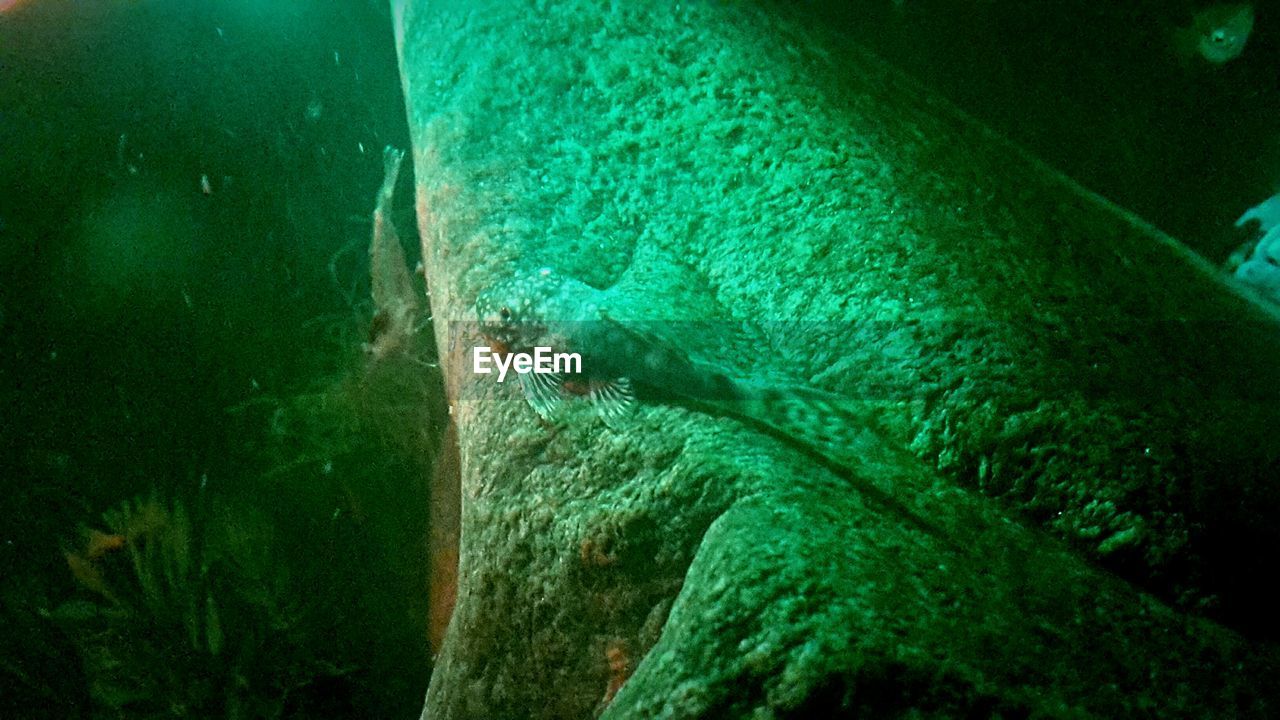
{"points": [[547, 309]]}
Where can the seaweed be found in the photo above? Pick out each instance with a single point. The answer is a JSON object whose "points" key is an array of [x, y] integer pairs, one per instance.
{"points": [[195, 616]]}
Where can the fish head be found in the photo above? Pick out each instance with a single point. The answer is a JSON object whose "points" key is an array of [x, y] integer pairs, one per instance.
{"points": [[512, 313]]}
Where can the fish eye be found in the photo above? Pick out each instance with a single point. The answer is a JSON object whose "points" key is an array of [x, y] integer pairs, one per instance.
{"points": [[504, 312], [1218, 37]]}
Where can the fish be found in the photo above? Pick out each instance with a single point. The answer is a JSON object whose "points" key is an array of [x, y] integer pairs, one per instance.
{"points": [[1217, 34], [625, 363], [398, 307]]}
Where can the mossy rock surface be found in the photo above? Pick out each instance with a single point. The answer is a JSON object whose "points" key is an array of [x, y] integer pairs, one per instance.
{"points": [[1077, 411]]}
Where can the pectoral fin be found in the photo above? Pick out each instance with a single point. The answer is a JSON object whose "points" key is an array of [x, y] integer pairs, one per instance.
{"points": [[612, 400], [543, 391]]}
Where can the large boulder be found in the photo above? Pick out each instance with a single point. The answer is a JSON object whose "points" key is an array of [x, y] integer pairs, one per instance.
{"points": [[1065, 507]]}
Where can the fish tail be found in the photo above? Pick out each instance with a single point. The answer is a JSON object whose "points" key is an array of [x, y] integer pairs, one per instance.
{"points": [[850, 437], [837, 429]]}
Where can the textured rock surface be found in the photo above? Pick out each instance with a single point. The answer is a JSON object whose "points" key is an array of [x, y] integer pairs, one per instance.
{"points": [[1062, 386]]}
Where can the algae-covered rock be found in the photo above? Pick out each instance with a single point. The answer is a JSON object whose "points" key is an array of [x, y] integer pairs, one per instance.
{"points": [[1060, 393]]}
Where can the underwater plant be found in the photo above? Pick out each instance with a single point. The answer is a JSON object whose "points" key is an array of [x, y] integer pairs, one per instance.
{"points": [[235, 604], [191, 616]]}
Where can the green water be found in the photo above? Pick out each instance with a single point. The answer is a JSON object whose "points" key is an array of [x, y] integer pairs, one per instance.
{"points": [[185, 192], [214, 501]]}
